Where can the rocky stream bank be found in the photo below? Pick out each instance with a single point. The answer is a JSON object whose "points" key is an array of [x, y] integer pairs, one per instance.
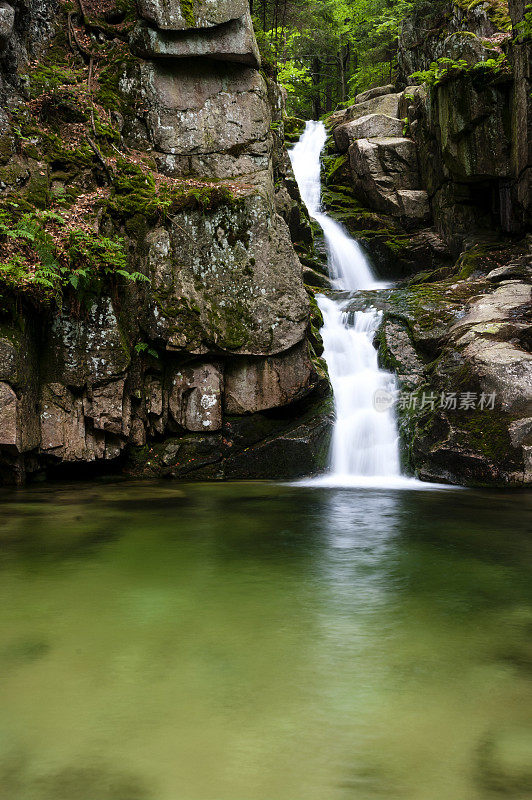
{"points": [[158, 273]]}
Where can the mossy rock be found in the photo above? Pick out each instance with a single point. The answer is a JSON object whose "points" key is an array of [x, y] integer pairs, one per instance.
{"points": [[293, 128]]}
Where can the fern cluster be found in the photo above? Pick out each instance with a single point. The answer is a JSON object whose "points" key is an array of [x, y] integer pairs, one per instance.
{"points": [[44, 256]]}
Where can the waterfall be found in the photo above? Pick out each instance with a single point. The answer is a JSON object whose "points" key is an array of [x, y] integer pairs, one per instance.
{"points": [[348, 266], [365, 442]]}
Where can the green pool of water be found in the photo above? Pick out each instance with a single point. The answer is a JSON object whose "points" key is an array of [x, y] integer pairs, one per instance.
{"points": [[264, 642]]}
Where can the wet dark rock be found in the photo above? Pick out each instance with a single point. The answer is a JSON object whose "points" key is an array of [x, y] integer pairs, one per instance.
{"points": [[287, 443]]}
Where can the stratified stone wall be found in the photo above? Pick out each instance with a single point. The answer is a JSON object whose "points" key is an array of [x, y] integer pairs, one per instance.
{"points": [[211, 359]]}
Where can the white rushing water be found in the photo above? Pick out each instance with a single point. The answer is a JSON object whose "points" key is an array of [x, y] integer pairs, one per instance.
{"points": [[365, 443], [348, 266]]}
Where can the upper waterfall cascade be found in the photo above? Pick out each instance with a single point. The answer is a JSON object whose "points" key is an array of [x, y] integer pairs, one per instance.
{"points": [[348, 266], [365, 443]]}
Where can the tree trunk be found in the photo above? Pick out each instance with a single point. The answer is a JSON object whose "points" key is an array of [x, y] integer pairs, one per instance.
{"points": [[341, 74], [316, 95], [328, 96]]}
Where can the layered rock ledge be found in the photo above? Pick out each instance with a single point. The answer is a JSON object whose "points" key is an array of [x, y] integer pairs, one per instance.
{"points": [[164, 327]]}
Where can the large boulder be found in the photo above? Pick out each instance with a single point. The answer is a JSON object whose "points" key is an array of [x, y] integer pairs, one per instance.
{"points": [[377, 91], [386, 177], [487, 334], [86, 350], [378, 104], [253, 385], [390, 162], [367, 127], [229, 282]]}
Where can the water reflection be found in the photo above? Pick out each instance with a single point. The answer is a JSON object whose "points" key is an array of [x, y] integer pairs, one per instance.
{"points": [[237, 641]]}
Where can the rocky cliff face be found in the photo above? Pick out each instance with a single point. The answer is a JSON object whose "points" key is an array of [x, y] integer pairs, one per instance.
{"points": [[435, 180], [153, 312]]}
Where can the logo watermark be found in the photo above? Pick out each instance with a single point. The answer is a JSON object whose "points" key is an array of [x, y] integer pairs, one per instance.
{"points": [[383, 400]]}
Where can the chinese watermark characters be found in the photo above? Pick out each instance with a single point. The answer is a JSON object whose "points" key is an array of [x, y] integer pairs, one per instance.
{"points": [[445, 401]]}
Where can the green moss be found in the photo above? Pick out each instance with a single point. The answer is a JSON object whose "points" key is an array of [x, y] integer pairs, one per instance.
{"points": [[136, 194], [431, 305], [6, 148], [398, 244], [50, 77], [496, 10], [231, 324], [338, 197], [336, 168], [108, 94], [293, 128], [37, 189], [468, 263], [187, 11], [486, 432], [65, 158], [184, 315]]}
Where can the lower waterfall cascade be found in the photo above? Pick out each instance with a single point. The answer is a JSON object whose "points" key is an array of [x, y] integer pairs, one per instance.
{"points": [[365, 441]]}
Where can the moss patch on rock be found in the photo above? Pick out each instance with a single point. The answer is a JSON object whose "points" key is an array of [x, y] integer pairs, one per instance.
{"points": [[187, 10]]}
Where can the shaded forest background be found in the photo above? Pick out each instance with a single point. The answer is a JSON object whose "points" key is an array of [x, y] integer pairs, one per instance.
{"points": [[326, 51]]}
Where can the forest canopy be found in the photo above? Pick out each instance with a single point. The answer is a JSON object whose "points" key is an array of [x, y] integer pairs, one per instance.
{"points": [[326, 51]]}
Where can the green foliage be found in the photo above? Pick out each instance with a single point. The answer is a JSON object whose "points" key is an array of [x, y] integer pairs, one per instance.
{"points": [[524, 28], [294, 78], [445, 69], [143, 347], [326, 51], [16, 270], [90, 255], [45, 256]]}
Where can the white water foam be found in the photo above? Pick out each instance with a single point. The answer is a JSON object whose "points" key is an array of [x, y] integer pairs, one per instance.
{"points": [[365, 441]]}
